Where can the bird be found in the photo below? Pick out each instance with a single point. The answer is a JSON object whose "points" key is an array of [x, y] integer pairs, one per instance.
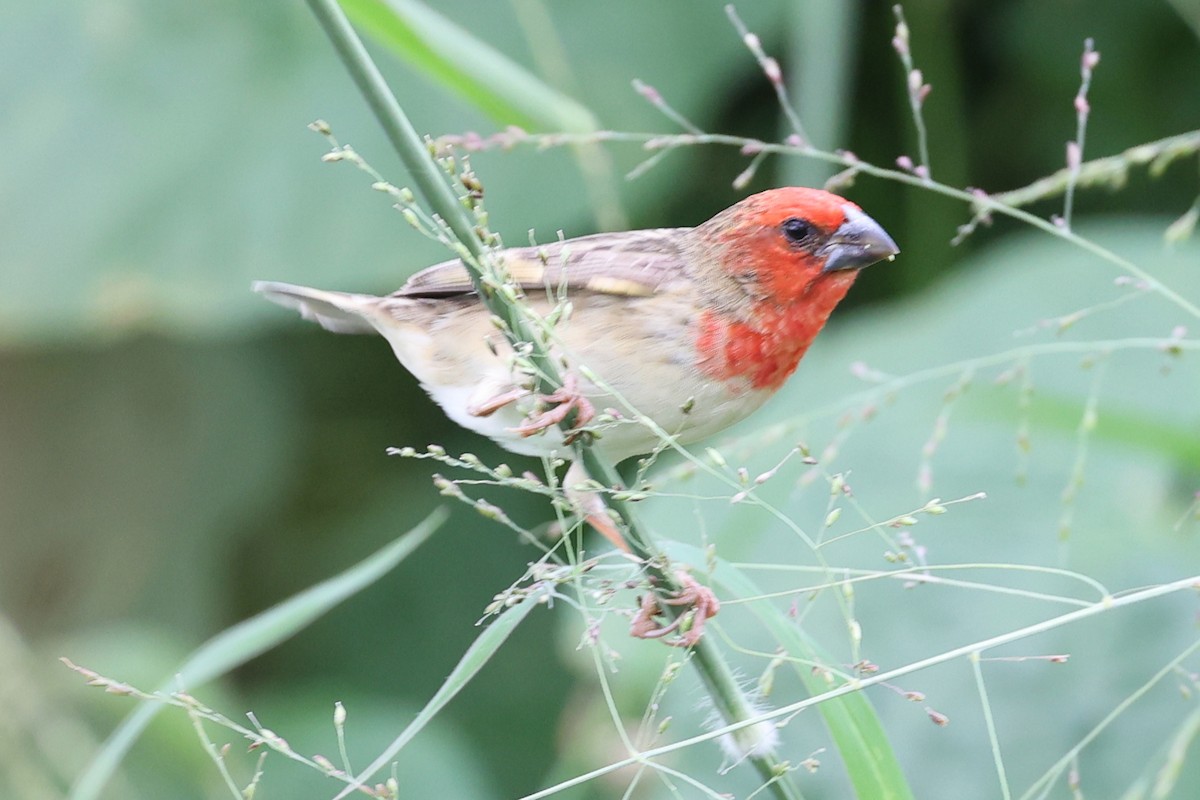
{"points": [[682, 331]]}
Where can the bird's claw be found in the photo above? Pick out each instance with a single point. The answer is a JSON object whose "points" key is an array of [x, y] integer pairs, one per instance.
{"points": [[692, 593], [497, 402], [562, 401]]}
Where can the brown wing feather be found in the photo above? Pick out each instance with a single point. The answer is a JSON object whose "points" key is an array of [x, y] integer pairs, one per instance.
{"points": [[635, 263]]}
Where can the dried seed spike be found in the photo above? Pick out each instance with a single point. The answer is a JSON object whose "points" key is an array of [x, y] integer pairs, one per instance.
{"points": [[937, 718]]}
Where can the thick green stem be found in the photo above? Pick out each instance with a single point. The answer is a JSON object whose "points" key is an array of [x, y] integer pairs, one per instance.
{"points": [[425, 172], [716, 673]]}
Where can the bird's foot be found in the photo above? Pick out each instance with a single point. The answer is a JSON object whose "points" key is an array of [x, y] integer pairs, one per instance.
{"points": [[561, 402], [496, 402], [703, 602], [591, 506]]}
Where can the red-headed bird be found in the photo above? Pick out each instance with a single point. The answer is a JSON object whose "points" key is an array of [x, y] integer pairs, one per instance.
{"points": [[694, 328]]}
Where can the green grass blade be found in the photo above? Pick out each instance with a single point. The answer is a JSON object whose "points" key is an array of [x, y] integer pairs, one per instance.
{"points": [[1163, 772], [490, 80], [852, 722], [478, 654], [237, 645]]}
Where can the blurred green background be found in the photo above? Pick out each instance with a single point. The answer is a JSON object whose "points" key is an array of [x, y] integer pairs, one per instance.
{"points": [[176, 454]]}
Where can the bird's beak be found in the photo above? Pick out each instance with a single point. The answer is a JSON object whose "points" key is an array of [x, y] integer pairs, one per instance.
{"points": [[857, 243]]}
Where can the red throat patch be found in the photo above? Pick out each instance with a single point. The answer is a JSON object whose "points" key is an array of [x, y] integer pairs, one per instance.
{"points": [[766, 349]]}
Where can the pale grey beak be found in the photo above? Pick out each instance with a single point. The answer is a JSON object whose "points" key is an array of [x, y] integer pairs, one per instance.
{"points": [[859, 242]]}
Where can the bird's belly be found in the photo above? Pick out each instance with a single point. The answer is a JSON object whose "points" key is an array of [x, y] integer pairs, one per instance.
{"points": [[498, 426], [655, 385], [686, 409], [642, 356], [632, 419]]}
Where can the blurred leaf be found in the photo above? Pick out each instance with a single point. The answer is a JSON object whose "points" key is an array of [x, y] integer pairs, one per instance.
{"points": [[148, 464], [1189, 12], [244, 641], [1172, 440], [494, 83], [444, 761], [477, 655]]}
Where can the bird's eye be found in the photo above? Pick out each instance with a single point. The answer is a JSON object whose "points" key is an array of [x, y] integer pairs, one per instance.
{"points": [[796, 230]]}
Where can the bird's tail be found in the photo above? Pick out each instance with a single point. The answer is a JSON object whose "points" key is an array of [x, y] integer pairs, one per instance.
{"points": [[339, 312]]}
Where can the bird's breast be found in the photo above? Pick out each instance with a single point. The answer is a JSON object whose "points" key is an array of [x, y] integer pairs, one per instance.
{"points": [[766, 346]]}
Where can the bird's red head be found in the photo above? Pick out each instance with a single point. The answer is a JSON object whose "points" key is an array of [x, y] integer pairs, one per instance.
{"points": [[781, 243], [793, 252]]}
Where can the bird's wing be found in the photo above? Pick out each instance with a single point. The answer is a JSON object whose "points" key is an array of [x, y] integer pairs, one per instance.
{"points": [[636, 263]]}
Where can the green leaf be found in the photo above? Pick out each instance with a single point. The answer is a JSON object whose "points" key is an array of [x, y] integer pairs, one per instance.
{"points": [[237, 645], [851, 719], [481, 74], [478, 654]]}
